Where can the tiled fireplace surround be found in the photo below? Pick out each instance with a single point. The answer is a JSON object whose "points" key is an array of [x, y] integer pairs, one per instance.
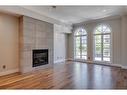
{"points": [[34, 34]]}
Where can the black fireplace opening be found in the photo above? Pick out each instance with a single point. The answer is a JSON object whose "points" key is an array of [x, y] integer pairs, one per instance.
{"points": [[40, 57]]}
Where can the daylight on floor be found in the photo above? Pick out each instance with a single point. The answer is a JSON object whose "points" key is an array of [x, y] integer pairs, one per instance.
{"points": [[63, 47]]}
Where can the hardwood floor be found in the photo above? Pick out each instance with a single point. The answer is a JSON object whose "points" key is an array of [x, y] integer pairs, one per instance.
{"points": [[72, 75]]}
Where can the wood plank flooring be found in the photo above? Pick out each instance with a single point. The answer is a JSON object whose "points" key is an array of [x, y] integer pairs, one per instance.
{"points": [[72, 75]]}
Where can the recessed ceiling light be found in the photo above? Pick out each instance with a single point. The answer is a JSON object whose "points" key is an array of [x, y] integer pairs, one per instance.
{"points": [[104, 10]]}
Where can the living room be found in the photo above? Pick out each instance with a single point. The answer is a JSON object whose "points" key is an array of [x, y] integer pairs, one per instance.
{"points": [[63, 47]]}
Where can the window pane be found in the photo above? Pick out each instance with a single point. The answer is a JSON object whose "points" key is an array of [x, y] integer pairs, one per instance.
{"points": [[106, 52], [99, 28], [78, 57], [84, 39], [106, 39], [77, 33], [106, 47], [98, 47], [97, 39], [80, 31], [107, 30], [102, 50], [104, 28], [98, 53], [77, 46], [83, 32], [97, 31], [106, 58], [84, 45], [84, 57], [81, 44], [84, 50]]}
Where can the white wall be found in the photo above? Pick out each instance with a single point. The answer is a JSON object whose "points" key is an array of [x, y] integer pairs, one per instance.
{"points": [[22, 10], [115, 24], [60, 44], [9, 45], [70, 47], [124, 42]]}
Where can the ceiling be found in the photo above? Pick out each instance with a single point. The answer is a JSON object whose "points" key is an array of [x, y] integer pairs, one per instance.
{"points": [[76, 14]]}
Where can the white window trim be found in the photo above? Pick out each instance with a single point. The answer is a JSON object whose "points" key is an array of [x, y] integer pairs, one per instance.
{"points": [[102, 62], [74, 36]]}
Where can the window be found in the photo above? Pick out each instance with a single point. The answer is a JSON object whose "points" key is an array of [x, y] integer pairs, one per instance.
{"points": [[102, 43], [80, 44]]}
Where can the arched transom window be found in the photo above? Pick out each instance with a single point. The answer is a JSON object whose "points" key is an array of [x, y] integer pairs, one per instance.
{"points": [[80, 37], [102, 43]]}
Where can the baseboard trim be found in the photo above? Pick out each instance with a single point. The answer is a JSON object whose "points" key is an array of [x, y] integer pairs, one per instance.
{"points": [[124, 67], [59, 61], [70, 59], [109, 64], [99, 63], [9, 72]]}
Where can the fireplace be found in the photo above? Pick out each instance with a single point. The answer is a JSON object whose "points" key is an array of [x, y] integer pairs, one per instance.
{"points": [[40, 57]]}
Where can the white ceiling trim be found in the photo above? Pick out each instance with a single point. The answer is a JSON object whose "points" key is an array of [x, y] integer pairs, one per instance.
{"points": [[77, 14], [19, 10], [66, 15]]}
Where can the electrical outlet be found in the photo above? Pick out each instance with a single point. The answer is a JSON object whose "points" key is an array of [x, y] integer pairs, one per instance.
{"points": [[4, 66]]}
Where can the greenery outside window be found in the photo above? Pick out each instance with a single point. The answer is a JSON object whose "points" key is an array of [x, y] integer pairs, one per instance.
{"points": [[102, 43], [80, 38]]}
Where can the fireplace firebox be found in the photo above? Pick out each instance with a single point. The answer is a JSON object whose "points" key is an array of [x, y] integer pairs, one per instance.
{"points": [[40, 57]]}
